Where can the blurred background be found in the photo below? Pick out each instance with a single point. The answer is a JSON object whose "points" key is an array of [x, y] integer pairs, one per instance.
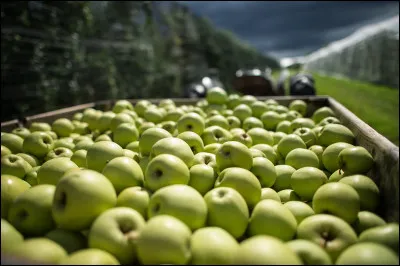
{"points": [[56, 54]]}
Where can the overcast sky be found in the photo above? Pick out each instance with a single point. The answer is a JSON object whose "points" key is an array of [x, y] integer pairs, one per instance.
{"points": [[289, 28]]}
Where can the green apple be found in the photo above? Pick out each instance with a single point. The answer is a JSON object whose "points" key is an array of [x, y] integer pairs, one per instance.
{"points": [[252, 122], [164, 240], [270, 120], [331, 233], [283, 126], [234, 154], [131, 154], [79, 158], [248, 99], [287, 195], [102, 152], [309, 252], [193, 140], [173, 146], [53, 170], [169, 126], [10, 237], [242, 111], [125, 133], [264, 170], [368, 254], [202, 178], [217, 120], [174, 115], [133, 146], [355, 160], [14, 165], [233, 122], [258, 108], [263, 250], [82, 138], [367, 190], [80, 128], [123, 172], [283, 177], [11, 188], [77, 116], [64, 142], [39, 250], [121, 105], [333, 133], [204, 158], [336, 176], [38, 144], [92, 119], [243, 138], [299, 158], [119, 119], [318, 150], [260, 136], [329, 120], [366, 220], [268, 151], [272, 218], [117, 231], [23, 132], [225, 205], [165, 170], [191, 122], [281, 109], [59, 152], [5, 151], [63, 127], [141, 106], [292, 115], [150, 137], [215, 134], [299, 106], [269, 193], [331, 197], [31, 176], [30, 213], [212, 148], [331, 153], [69, 240], [212, 245], [307, 135], [154, 114], [289, 143], [317, 130], [144, 126], [103, 137], [104, 122], [39, 126], [257, 153], [301, 122], [244, 181], [322, 113], [299, 209], [306, 181], [136, 198], [13, 142], [217, 95], [387, 235], [80, 197], [143, 162], [233, 100]]}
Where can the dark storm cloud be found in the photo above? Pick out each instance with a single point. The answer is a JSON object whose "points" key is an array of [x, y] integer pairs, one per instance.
{"points": [[286, 29]]}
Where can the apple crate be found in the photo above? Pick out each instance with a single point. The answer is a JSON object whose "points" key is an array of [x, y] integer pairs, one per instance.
{"points": [[385, 171]]}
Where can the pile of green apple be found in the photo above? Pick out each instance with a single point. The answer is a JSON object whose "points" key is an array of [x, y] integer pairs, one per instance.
{"points": [[229, 180]]}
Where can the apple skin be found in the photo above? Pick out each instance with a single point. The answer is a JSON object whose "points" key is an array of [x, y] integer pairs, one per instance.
{"points": [[167, 237], [119, 119], [215, 134], [10, 237], [59, 152], [309, 252], [217, 95], [258, 108], [173, 146], [105, 121], [289, 143], [191, 122], [212, 148], [174, 115], [11, 188], [257, 153], [146, 125], [165, 170], [122, 105], [100, 153], [283, 126], [133, 146], [136, 198], [212, 246], [38, 144], [331, 153], [272, 218], [39, 126], [252, 122], [242, 111], [32, 160], [5, 151], [204, 158], [79, 158], [333, 133], [336, 176], [63, 127], [49, 251], [299, 158], [265, 250], [264, 170], [13, 142], [242, 138], [141, 106], [318, 150], [322, 113], [123, 172], [355, 160], [149, 138], [271, 119], [233, 122], [299, 106], [193, 140], [307, 135], [331, 197], [306, 181], [234, 154], [329, 232], [180, 201], [301, 122], [387, 235], [261, 136], [80, 197], [69, 240], [22, 132], [30, 213], [217, 120], [366, 220], [287, 195], [31, 176], [269, 193], [268, 151], [125, 133], [329, 120], [243, 181], [116, 231], [202, 178], [53, 170], [283, 177], [14, 165], [299, 209], [368, 254]]}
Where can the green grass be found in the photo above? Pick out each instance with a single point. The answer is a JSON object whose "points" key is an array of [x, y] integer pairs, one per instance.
{"points": [[378, 106]]}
